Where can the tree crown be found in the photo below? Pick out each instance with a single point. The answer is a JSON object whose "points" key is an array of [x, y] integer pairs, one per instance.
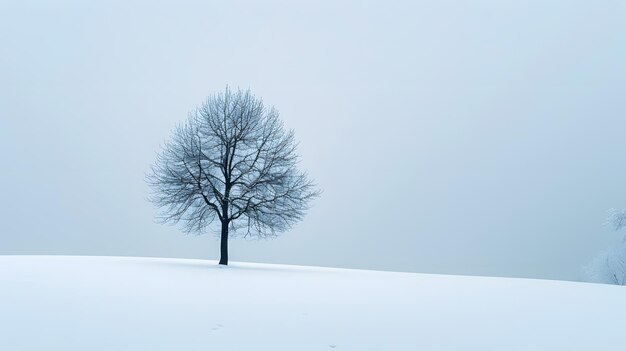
{"points": [[232, 160]]}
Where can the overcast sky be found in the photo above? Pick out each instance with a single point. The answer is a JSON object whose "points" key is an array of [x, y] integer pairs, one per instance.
{"points": [[463, 137]]}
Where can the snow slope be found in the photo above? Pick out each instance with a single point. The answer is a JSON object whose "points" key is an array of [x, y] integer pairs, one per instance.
{"points": [[118, 303]]}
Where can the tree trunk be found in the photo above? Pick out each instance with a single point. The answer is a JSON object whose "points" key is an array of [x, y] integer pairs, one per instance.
{"points": [[224, 244]]}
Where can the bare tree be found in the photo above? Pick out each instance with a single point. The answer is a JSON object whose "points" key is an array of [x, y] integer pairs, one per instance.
{"points": [[231, 163]]}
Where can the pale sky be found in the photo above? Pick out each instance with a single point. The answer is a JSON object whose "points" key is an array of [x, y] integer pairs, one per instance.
{"points": [[461, 137]]}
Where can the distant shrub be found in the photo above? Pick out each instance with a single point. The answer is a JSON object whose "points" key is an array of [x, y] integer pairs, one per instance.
{"points": [[609, 266], [617, 218]]}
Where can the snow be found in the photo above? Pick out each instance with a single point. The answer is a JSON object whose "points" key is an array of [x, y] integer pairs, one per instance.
{"points": [[124, 303]]}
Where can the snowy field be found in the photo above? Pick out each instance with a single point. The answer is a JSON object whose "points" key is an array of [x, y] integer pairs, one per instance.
{"points": [[118, 303]]}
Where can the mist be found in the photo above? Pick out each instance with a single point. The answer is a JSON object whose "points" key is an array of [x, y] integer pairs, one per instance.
{"points": [[482, 138]]}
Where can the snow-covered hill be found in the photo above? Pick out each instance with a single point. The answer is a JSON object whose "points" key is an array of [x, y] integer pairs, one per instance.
{"points": [[118, 303]]}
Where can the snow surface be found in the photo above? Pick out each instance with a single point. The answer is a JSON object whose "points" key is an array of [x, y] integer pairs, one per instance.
{"points": [[123, 303]]}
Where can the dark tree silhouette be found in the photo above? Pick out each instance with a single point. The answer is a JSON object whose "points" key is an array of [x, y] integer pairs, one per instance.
{"points": [[233, 163]]}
